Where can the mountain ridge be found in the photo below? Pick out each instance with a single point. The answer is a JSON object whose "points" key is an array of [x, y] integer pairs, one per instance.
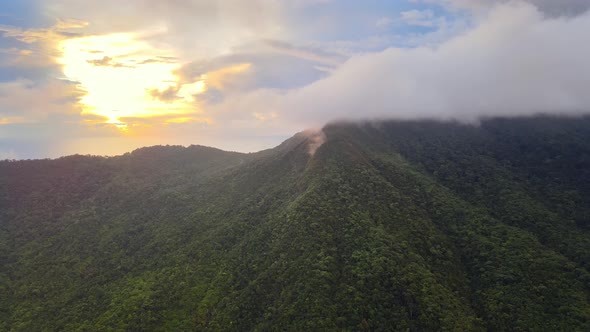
{"points": [[414, 225]]}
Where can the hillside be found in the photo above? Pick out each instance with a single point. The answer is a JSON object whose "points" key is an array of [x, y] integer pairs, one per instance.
{"points": [[411, 226]]}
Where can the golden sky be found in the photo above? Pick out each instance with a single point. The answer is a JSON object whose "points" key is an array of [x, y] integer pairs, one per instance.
{"points": [[124, 78], [105, 77]]}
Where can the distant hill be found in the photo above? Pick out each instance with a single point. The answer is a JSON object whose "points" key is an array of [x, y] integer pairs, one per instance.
{"points": [[408, 226]]}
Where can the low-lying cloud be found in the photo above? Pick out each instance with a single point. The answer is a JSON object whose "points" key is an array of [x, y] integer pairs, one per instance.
{"points": [[516, 61]]}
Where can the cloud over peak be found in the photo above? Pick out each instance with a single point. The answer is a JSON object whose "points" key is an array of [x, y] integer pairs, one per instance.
{"points": [[516, 61], [185, 71]]}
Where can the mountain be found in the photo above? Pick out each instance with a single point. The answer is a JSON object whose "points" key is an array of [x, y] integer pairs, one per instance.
{"points": [[396, 225]]}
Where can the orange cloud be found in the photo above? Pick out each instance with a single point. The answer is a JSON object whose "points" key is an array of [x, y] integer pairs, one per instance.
{"points": [[220, 77]]}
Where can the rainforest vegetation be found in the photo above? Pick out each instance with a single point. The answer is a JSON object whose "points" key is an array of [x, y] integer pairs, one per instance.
{"points": [[397, 225]]}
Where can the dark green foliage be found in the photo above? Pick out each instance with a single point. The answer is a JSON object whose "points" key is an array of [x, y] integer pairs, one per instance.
{"points": [[409, 226]]}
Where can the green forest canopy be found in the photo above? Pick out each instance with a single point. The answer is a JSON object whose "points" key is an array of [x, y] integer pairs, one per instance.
{"points": [[414, 226]]}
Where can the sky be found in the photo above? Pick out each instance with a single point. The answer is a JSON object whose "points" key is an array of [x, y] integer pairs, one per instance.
{"points": [[106, 77]]}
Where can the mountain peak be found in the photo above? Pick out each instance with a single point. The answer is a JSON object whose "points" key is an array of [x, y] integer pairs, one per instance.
{"points": [[393, 225]]}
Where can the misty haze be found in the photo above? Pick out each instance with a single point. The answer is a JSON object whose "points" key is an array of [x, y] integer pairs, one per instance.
{"points": [[294, 165]]}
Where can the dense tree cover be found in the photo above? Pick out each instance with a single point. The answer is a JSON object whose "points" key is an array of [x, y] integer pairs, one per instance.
{"points": [[408, 226]]}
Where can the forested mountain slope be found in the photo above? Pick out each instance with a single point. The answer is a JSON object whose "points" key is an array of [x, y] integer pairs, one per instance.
{"points": [[387, 226]]}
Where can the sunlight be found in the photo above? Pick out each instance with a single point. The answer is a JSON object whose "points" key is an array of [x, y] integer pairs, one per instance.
{"points": [[117, 71]]}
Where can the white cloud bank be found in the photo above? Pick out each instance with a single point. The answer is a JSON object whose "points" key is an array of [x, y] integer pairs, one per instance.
{"points": [[516, 61]]}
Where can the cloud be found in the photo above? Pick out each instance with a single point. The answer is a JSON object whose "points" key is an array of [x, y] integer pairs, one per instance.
{"points": [[15, 51], [142, 31], [548, 7], [305, 53], [304, 3], [38, 117], [169, 94], [263, 53], [28, 101], [37, 47], [266, 64], [315, 138], [158, 59], [383, 22], [107, 61], [423, 18], [514, 62], [246, 74], [194, 28]]}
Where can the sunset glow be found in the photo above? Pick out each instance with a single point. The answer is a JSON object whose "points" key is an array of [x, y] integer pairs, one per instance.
{"points": [[119, 75], [246, 75]]}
